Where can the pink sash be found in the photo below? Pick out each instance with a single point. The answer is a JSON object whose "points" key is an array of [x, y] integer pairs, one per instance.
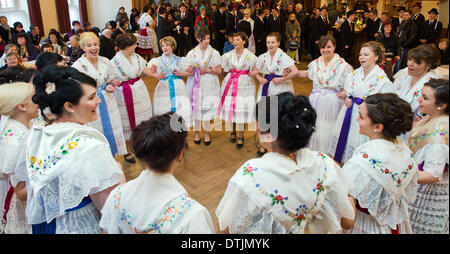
{"points": [[128, 96], [234, 78]]}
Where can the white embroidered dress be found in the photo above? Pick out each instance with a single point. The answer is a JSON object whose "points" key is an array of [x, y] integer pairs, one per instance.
{"points": [[245, 96], [429, 211], [162, 97], [268, 66], [403, 89], [66, 162], [275, 195], [154, 204], [12, 140], [383, 178], [209, 90], [141, 99], [358, 86], [327, 81], [104, 74], [150, 40]]}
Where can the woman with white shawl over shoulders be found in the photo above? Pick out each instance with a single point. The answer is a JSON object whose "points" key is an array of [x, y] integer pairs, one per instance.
{"points": [[291, 189], [132, 96], [328, 73], [429, 211], [18, 109], [155, 202], [408, 83], [69, 165], [383, 174], [366, 80]]}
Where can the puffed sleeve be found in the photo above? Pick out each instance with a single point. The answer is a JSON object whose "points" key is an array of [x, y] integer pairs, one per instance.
{"points": [[226, 62], [110, 217]]}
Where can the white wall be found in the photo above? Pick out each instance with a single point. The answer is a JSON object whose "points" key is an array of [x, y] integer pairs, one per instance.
{"points": [[102, 11]]}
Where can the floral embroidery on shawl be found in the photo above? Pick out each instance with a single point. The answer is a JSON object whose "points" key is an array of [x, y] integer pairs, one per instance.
{"points": [[40, 165], [440, 132], [396, 177], [173, 210], [278, 199]]}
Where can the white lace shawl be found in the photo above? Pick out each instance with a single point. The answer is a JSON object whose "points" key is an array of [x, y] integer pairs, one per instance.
{"points": [[126, 69], [245, 63], [275, 195], [330, 76], [156, 204], [66, 162], [277, 65], [361, 86], [384, 179], [105, 72]]}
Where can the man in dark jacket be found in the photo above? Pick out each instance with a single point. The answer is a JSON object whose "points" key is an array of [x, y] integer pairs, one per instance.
{"points": [[34, 36], [397, 21], [417, 17], [300, 14], [184, 20], [346, 36], [220, 27], [277, 23], [431, 29], [260, 32], [320, 28], [163, 29], [407, 35], [373, 25], [232, 20]]}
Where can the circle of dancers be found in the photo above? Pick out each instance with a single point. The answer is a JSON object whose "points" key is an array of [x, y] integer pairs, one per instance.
{"points": [[360, 155]]}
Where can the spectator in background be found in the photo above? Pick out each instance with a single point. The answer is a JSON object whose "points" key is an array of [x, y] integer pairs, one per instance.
{"points": [[26, 50], [76, 28], [107, 46], [57, 41], [300, 14], [293, 32], [229, 44], [417, 17], [75, 50], [17, 29], [443, 49], [121, 14], [12, 59], [346, 38], [397, 21], [34, 36], [392, 47], [8, 48], [373, 25], [277, 23], [186, 24], [220, 28], [134, 19], [2, 45], [88, 28], [123, 28], [320, 28], [407, 35], [5, 30], [431, 29], [111, 25], [47, 47], [333, 14], [202, 20]]}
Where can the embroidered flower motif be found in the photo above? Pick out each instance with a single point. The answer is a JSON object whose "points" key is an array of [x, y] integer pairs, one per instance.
{"points": [[249, 170], [277, 198], [386, 171], [33, 160], [73, 145]]}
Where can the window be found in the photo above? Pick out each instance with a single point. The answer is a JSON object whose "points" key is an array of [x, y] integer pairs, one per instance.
{"points": [[74, 10], [15, 11]]}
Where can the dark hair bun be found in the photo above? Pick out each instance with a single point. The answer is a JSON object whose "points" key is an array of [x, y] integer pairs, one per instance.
{"points": [[296, 120], [390, 110], [68, 88], [158, 141]]}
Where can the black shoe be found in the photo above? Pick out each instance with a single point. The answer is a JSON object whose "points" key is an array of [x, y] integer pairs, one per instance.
{"points": [[261, 153], [207, 143], [198, 142], [240, 145], [129, 158], [233, 137]]}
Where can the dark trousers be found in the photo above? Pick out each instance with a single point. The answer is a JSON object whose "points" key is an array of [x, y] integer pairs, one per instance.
{"points": [[219, 42], [185, 44]]}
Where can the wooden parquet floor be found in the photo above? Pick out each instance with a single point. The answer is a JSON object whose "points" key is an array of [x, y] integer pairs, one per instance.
{"points": [[205, 171]]}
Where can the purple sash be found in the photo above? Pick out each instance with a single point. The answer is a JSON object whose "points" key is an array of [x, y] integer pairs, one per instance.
{"points": [[266, 86], [342, 143], [195, 100]]}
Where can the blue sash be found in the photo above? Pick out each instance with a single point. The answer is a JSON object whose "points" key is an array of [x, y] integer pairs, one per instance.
{"points": [[173, 103], [106, 120]]}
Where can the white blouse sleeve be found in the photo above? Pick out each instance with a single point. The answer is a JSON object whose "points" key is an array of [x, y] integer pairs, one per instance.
{"points": [[216, 60], [311, 70], [260, 64], [435, 157], [110, 220], [286, 61], [155, 62], [347, 71], [197, 220]]}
